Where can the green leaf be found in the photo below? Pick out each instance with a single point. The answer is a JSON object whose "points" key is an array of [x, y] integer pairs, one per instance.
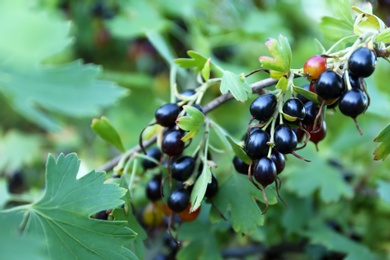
{"points": [[18, 149], [307, 94], [320, 234], [282, 84], [105, 130], [384, 190], [383, 149], [206, 70], [384, 36], [367, 22], [197, 61], [239, 195], [236, 84], [15, 246], [304, 179], [192, 123], [238, 150], [62, 215], [136, 19], [281, 55], [199, 190]]}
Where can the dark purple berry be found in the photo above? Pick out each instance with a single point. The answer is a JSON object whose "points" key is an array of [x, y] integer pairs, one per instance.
{"points": [[285, 139], [212, 187], [178, 200], [312, 110], [329, 85], [279, 160], [154, 153], [264, 171], [166, 115], [172, 144], [240, 165], [294, 108], [182, 168], [153, 188], [263, 107], [353, 103], [256, 144], [362, 63]]}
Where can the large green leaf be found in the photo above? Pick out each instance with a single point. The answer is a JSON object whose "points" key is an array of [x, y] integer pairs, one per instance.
{"points": [[236, 84], [34, 89], [281, 55], [62, 215], [240, 196]]}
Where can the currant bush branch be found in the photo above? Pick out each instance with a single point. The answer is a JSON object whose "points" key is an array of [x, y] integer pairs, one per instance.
{"points": [[257, 88]]}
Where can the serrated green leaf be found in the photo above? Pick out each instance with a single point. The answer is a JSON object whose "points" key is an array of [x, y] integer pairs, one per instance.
{"points": [[206, 70], [107, 132], [239, 195], [383, 149], [384, 36], [319, 234], [238, 150], [15, 246], [281, 55], [192, 123], [199, 190], [197, 61], [236, 84], [384, 190], [62, 215], [307, 94], [282, 84], [306, 178], [136, 19], [335, 29]]}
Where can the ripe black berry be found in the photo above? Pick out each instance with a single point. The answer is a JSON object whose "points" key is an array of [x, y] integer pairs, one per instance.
{"points": [[153, 188], [294, 108], [362, 62], [178, 200], [182, 168], [329, 85], [285, 139], [353, 103], [256, 144], [212, 187], [312, 110], [265, 171], [279, 160], [166, 115], [240, 165], [172, 144], [263, 107], [154, 153]]}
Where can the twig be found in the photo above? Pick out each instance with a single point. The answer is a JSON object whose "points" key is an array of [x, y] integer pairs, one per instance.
{"points": [[257, 87]]}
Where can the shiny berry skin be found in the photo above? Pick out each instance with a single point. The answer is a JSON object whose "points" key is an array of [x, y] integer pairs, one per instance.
{"points": [[188, 216], [256, 144], [312, 110], [264, 171], [240, 165], [172, 144], [178, 200], [318, 134], [294, 108], [353, 81], [362, 63], [154, 153], [166, 115], [329, 85], [314, 66], [353, 103], [285, 139], [212, 187], [279, 161], [182, 168], [263, 107], [153, 188]]}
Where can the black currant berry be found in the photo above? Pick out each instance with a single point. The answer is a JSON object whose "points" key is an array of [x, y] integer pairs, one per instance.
{"points": [[182, 168], [256, 144], [312, 110], [166, 115], [240, 165], [178, 200], [295, 109], [153, 188], [16, 183], [212, 187], [154, 153], [285, 139], [265, 171], [172, 144], [279, 161], [329, 85], [263, 107], [103, 215], [362, 62], [353, 103], [353, 81]]}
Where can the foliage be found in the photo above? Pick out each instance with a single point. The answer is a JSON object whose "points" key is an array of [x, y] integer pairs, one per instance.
{"points": [[56, 100]]}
